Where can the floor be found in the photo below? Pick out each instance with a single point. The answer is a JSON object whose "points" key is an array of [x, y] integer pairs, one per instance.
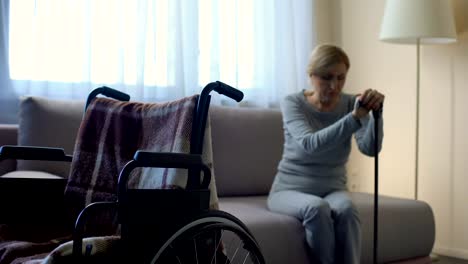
{"points": [[449, 260]]}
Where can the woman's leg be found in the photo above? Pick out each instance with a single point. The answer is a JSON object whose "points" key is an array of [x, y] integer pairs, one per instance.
{"points": [[347, 227], [315, 215]]}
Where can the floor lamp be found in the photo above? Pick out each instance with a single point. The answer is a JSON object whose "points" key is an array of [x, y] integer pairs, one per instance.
{"points": [[418, 22]]}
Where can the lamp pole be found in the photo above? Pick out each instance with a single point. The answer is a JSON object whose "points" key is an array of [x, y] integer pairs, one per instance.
{"points": [[416, 166]]}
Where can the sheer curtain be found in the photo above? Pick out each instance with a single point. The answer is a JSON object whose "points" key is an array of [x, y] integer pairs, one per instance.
{"points": [[159, 50], [8, 98]]}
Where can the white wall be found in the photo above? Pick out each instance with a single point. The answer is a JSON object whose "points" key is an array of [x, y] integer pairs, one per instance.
{"points": [[444, 141], [443, 167]]}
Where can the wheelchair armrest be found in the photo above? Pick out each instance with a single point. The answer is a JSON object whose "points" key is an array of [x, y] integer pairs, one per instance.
{"points": [[166, 160], [33, 153], [31, 200]]}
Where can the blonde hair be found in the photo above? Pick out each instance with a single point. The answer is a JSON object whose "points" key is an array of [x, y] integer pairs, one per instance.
{"points": [[324, 56]]}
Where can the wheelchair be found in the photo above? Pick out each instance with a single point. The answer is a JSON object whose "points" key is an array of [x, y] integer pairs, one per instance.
{"points": [[152, 230]]}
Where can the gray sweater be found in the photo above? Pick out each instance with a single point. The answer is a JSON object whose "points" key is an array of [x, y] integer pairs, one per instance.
{"points": [[317, 144]]}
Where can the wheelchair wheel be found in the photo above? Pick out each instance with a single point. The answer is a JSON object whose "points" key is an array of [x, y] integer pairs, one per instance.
{"points": [[214, 237]]}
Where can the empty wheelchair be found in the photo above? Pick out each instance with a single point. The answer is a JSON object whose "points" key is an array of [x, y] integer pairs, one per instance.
{"points": [[123, 218]]}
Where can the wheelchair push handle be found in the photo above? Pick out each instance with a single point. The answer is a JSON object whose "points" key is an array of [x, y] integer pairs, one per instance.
{"points": [[229, 91], [224, 89], [109, 92]]}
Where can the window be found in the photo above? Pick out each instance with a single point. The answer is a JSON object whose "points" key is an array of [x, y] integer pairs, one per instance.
{"points": [[159, 49]]}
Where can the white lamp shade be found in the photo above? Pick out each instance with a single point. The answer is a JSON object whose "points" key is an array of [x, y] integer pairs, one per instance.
{"points": [[429, 21]]}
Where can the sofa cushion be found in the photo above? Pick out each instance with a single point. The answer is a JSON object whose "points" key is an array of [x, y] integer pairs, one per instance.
{"points": [[406, 228], [280, 237], [247, 146], [48, 123], [30, 175]]}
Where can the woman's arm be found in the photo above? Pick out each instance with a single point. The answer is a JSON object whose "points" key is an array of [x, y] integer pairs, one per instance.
{"points": [[315, 139], [365, 136]]}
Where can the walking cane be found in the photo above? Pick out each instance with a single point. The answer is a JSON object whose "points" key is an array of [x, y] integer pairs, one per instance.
{"points": [[377, 114]]}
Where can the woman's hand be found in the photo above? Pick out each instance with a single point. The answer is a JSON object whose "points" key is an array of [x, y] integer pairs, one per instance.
{"points": [[370, 100]]}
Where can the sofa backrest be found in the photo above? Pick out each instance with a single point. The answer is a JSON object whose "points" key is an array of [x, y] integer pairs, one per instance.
{"points": [[48, 123], [247, 146], [247, 142]]}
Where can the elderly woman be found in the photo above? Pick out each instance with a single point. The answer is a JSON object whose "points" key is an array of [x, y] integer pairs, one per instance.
{"points": [[311, 180]]}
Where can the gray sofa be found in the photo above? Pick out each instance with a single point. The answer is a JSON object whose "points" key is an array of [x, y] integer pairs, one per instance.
{"points": [[247, 145]]}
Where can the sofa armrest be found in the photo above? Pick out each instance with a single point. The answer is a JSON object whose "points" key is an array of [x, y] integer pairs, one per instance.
{"points": [[8, 136], [31, 200], [26, 200]]}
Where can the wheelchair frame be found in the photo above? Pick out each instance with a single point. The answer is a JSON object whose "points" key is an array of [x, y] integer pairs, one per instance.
{"points": [[134, 206]]}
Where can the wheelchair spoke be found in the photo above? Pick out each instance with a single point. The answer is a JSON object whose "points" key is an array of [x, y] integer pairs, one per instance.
{"points": [[214, 250], [227, 250], [175, 255], [196, 251], [235, 253], [246, 256], [217, 246], [209, 240]]}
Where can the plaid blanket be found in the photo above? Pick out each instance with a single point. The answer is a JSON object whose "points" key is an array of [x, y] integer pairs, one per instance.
{"points": [[21, 244], [110, 134]]}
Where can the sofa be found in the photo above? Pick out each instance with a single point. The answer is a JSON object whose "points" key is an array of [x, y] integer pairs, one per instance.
{"points": [[247, 146]]}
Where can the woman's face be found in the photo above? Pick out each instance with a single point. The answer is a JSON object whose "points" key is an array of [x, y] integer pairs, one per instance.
{"points": [[329, 84]]}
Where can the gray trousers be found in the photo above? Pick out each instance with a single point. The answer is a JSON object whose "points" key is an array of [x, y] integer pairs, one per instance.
{"points": [[331, 223]]}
